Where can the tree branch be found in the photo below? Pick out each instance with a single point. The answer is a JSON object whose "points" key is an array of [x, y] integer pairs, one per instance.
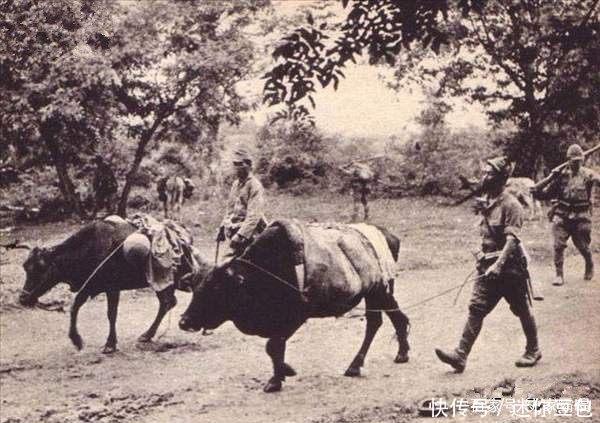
{"points": [[489, 48]]}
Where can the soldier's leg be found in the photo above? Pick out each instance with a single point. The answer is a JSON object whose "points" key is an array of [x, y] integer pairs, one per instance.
{"points": [[355, 205], [364, 201], [560, 234], [516, 295], [582, 238], [485, 296]]}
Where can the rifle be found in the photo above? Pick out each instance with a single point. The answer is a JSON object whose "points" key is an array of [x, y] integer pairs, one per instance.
{"points": [[475, 193], [556, 171]]}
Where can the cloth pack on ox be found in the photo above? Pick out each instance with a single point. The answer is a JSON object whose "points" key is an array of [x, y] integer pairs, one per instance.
{"points": [[162, 247], [338, 259]]}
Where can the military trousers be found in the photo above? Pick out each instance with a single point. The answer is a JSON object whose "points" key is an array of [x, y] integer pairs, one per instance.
{"points": [[487, 293], [579, 229]]}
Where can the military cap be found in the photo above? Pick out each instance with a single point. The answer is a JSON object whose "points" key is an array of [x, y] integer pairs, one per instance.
{"points": [[575, 152]]}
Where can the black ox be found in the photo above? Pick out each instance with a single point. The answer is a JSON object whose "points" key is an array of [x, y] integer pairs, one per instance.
{"points": [[75, 259], [259, 294]]}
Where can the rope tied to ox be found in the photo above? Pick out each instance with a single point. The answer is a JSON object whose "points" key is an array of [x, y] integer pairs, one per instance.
{"points": [[468, 279]]}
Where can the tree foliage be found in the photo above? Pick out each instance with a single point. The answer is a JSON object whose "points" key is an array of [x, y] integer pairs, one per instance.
{"points": [[178, 73], [530, 62], [51, 81], [74, 73], [311, 56]]}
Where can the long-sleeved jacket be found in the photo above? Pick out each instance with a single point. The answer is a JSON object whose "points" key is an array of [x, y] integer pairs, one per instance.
{"points": [[245, 208]]}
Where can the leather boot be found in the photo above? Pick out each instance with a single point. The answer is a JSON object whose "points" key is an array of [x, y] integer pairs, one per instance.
{"points": [[458, 358], [532, 352], [559, 259], [559, 279]]}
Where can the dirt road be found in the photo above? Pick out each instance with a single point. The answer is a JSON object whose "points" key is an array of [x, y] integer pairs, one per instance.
{"points": [[192, 378]]}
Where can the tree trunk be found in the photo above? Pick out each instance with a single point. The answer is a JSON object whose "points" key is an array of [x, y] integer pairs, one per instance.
{"points": [[67, 189], [139, 155], [214, 123]]}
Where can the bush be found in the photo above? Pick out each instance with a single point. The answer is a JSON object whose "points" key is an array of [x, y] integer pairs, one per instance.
{"points": [[291, 154]]}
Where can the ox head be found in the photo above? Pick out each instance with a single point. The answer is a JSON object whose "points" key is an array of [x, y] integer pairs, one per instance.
{"points": [[212, 300], [40, 271]]}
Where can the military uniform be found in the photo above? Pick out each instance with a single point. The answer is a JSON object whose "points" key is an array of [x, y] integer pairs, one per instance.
{"points": [[502, 218], [244, 217], [360, 179], [245, 209], [572, 214], [105, 187]]}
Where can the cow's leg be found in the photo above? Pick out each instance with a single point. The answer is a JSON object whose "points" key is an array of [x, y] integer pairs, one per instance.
{"points": [[79, 300], [401, 324], [112, 299], [276, 350], [167, 301], [374, 321]]}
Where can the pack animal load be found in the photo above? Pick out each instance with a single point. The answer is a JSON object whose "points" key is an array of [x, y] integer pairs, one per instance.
{"points": [[112, 255], [294, 271], [336, 258]]}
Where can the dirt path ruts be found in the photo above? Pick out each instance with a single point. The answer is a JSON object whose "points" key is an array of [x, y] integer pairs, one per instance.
{"points": [[188, 377]]}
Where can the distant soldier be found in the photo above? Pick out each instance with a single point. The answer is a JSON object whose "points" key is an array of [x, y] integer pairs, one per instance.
{"points": [[360, 178], [244, 217], [502, 269], [105, 186], [571, 191]]}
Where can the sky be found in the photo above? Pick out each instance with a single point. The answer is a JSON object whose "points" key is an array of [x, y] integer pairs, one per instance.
{"points": [[363, 105]]}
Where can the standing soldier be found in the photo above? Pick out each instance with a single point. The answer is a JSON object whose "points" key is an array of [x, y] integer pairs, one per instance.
{"points": [[571, 188], [244, 217], [502, 269], [360, 176], [105, 186]]}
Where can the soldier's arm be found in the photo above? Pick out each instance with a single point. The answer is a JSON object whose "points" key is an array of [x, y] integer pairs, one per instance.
{"points": [[513, 222], [546, 183], [254, 212]]}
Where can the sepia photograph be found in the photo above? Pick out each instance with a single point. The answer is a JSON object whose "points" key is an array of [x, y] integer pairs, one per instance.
{"points": [[299, 211]]}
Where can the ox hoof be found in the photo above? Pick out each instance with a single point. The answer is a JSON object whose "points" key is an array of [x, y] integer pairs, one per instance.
{"points": [[401, 358], [352, 372], [109, 349], [145, 338], [77, 341], [288, 370], [273, 385]]}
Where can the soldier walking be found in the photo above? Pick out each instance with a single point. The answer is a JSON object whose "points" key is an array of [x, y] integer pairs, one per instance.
{"points": [[501, 268], [571, 190], [360, 177], [244, 217]]}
